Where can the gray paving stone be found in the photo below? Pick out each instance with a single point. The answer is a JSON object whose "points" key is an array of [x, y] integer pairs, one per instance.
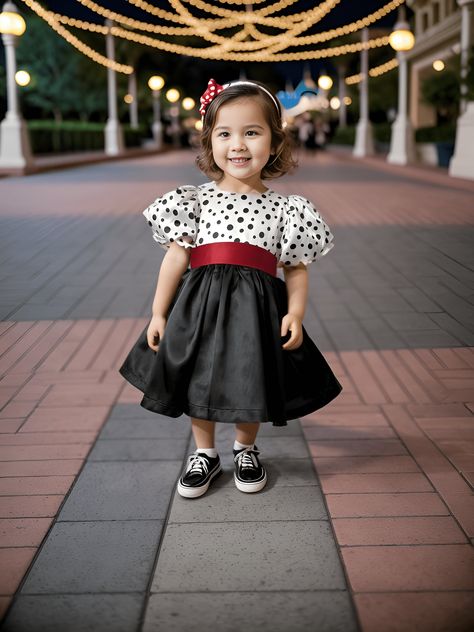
{"points": [[75, 613], [322, 611], [123, 425], [272, 503], [138, 449], [122, 491], [226, 432], [95, 557], [280, 472], [261, 556]]}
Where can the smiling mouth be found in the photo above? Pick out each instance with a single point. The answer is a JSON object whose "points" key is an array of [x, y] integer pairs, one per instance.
{"points": [[239, 161]]}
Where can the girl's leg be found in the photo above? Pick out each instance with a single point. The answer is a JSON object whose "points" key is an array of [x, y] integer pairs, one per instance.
{"points": [[246, 433], [204, 432]]}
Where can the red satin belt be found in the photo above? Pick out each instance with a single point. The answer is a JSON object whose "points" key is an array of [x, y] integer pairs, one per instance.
{"points": [[235, 253]]}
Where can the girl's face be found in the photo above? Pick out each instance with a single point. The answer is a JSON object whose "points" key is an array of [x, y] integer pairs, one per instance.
{"points": [[241, 142]]}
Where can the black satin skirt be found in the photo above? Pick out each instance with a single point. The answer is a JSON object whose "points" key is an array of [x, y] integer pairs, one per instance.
{"points": [[221, 355]]}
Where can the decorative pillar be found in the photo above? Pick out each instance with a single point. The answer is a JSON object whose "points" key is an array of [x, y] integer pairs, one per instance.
{"points": [[113, 130], [466, 43], [364, 142], [133, 108], [157, 127], [15, 151], [402, 145], [462, 162], [342, 96]]}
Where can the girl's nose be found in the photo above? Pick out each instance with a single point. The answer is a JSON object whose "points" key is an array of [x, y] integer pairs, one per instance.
{"points": [[238, 144]]}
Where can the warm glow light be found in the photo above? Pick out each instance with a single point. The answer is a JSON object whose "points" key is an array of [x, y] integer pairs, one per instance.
{"points": [[172, 95], [188, 103], [156, 82], [347, 100], [12, 23], [401, 38], [335, 103], [22, 77], [438, 65], [198, 125], [325, 82], [128, 98]]}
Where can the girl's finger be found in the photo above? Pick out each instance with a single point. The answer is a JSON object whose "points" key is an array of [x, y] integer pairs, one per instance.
{"points": [[289, 343]]}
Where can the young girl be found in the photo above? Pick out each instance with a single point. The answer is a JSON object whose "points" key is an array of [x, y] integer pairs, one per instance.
{"points": [[226, 342]]}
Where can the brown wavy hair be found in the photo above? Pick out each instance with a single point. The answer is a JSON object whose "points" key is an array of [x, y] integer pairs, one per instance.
{"points": [[278, 164]]}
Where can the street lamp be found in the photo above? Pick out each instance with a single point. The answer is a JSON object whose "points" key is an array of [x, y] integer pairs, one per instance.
{"points": [[325, 82], [402, 148], [155, 83], [15, 152], [188, 104], [22, 78], [173, 96]]}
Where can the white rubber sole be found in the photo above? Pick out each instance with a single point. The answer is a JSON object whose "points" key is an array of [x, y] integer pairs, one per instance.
{"points": [[250, 488], [195, 492]]}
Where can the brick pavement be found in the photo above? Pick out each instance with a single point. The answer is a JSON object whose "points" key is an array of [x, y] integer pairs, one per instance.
{"points": [[391, 309]]}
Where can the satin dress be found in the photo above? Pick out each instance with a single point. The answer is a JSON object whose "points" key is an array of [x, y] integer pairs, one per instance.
{"points": [[221, 355]]}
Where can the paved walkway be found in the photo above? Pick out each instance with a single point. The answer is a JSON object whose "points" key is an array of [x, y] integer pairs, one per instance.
{"points": [[376, 537]]}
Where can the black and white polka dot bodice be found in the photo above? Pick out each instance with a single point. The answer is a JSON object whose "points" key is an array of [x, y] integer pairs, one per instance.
{"points": [[288, 227]]}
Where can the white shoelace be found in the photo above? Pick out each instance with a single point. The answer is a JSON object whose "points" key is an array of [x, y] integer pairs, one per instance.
{"points": [[247, 460], [197, 464]]}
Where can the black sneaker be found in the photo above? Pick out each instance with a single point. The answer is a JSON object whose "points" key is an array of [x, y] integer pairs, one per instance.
{"points": [[250, 475], [199, 472]]}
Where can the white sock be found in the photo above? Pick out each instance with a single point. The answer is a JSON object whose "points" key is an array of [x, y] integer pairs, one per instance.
{"points": [[212, 452], [241, 446]]}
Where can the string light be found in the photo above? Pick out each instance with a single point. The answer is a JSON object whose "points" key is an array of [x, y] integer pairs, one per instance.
{"points": [[376, 71], [74, 41], [261, 49]]}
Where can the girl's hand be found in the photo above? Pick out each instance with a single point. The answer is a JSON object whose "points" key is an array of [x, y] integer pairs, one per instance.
{"points": [[294, 324], [155, 331]]}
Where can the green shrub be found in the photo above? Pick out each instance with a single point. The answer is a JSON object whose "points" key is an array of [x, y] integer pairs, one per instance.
{"points": [[346, 135], [436, 134], [69, 136]]}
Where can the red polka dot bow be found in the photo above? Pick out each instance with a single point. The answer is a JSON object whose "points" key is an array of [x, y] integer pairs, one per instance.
{"points": [[212, 91]]}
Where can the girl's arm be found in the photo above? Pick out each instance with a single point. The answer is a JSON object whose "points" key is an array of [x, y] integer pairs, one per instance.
{"points": [[296, 278], [173, 266]]}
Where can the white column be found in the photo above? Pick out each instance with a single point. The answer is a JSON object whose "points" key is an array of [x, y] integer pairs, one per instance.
{"points": [[113, 130], [15, 151], [402, 146], [466, 42], [462, 163], [342, 95], [133, 108], [157, 127], [364, 142]]}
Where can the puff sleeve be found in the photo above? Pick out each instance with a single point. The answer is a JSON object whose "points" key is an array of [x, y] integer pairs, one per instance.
{"points": [[306, 236], [174, 217]]}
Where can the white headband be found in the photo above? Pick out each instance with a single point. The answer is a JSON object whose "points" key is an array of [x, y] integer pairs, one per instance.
{"points": [[251, 83]]}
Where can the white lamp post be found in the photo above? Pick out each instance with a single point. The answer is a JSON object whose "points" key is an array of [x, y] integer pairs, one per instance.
{"points": [[113, 130], [15, 152], [342, 97], [133, 101], [155, 84], [402, 145], [462, 163], [364, 141]]}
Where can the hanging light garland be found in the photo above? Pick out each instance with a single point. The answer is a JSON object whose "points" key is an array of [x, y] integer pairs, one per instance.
{"points": [[74, 41], [263, 48], [376, 71]]}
